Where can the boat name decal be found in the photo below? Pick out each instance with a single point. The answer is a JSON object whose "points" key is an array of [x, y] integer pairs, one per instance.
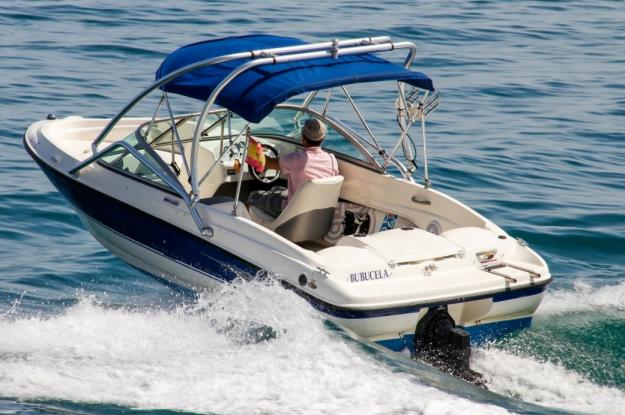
{"points": [[376, 274]]}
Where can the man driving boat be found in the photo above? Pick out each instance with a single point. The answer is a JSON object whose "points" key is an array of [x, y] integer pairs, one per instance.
{"points": [[299, 166]]}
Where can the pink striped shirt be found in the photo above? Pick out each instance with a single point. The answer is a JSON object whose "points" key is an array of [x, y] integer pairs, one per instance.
{"points": [[309, 163]]}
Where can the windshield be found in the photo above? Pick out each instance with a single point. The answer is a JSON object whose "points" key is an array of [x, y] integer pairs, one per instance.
{"points": [[282, 123]]}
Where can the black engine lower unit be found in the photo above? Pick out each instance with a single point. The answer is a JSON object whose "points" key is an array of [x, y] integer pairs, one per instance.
{"points": [[439, 343]]}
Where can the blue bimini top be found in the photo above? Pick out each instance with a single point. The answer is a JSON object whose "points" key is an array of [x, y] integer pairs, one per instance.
{"points": [[254, 93]]}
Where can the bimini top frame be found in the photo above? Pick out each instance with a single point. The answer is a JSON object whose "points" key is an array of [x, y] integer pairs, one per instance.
{"points": [[238, 85], [222, 79], [252, 92]]}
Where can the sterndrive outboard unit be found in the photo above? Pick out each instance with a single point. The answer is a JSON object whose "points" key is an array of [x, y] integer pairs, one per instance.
{"points": [[439, 343]]}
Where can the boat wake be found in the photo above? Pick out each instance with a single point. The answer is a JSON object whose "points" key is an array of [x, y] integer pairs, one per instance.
{"points": [[545, 383], [192, 358], [584, 297], [255, 347], [568, 331]]}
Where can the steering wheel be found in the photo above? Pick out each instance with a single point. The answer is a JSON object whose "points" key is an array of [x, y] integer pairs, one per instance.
{"points": [[269, 175]]}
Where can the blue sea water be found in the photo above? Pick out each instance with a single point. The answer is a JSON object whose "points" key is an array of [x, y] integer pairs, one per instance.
{"points": [[530, 132]]}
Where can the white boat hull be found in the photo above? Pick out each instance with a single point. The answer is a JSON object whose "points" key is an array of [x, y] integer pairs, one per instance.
{"points": [[504, 316]]}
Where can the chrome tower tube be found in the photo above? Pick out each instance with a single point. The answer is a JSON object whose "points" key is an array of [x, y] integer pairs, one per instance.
{"points": [[272, 60]]}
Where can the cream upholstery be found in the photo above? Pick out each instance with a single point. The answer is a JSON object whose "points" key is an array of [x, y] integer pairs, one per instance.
{"points": [[309, 214], [205, 159]]}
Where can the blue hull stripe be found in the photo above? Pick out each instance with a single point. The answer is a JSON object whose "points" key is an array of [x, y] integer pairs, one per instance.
{"points": [[510, 295], [484, 333], [348, 313], [217, 278], [149, 231], [480, 334]]}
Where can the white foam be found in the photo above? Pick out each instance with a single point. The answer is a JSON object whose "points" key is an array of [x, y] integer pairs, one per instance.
{"points": [[584, 297], [545, 383], [178, 360]]}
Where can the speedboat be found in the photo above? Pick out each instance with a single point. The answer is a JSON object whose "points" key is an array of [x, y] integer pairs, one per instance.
{"points": [[375, 250]]}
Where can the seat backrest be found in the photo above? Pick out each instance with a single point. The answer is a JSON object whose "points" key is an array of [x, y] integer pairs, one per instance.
{"points": [[309, 214], [205, 159]]}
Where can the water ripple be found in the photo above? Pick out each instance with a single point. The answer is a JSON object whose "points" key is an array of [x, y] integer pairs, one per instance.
{"points": [[530, 133]]}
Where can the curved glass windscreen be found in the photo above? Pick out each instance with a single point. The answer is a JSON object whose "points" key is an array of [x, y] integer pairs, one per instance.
{"points": [[282, 123], [121, 159]]}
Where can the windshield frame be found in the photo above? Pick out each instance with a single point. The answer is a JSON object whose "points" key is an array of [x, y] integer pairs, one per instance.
{"points": [[340, 128]]}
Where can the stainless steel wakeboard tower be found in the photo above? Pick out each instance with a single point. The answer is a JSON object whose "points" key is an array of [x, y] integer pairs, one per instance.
{"points": [[411, 107]]}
